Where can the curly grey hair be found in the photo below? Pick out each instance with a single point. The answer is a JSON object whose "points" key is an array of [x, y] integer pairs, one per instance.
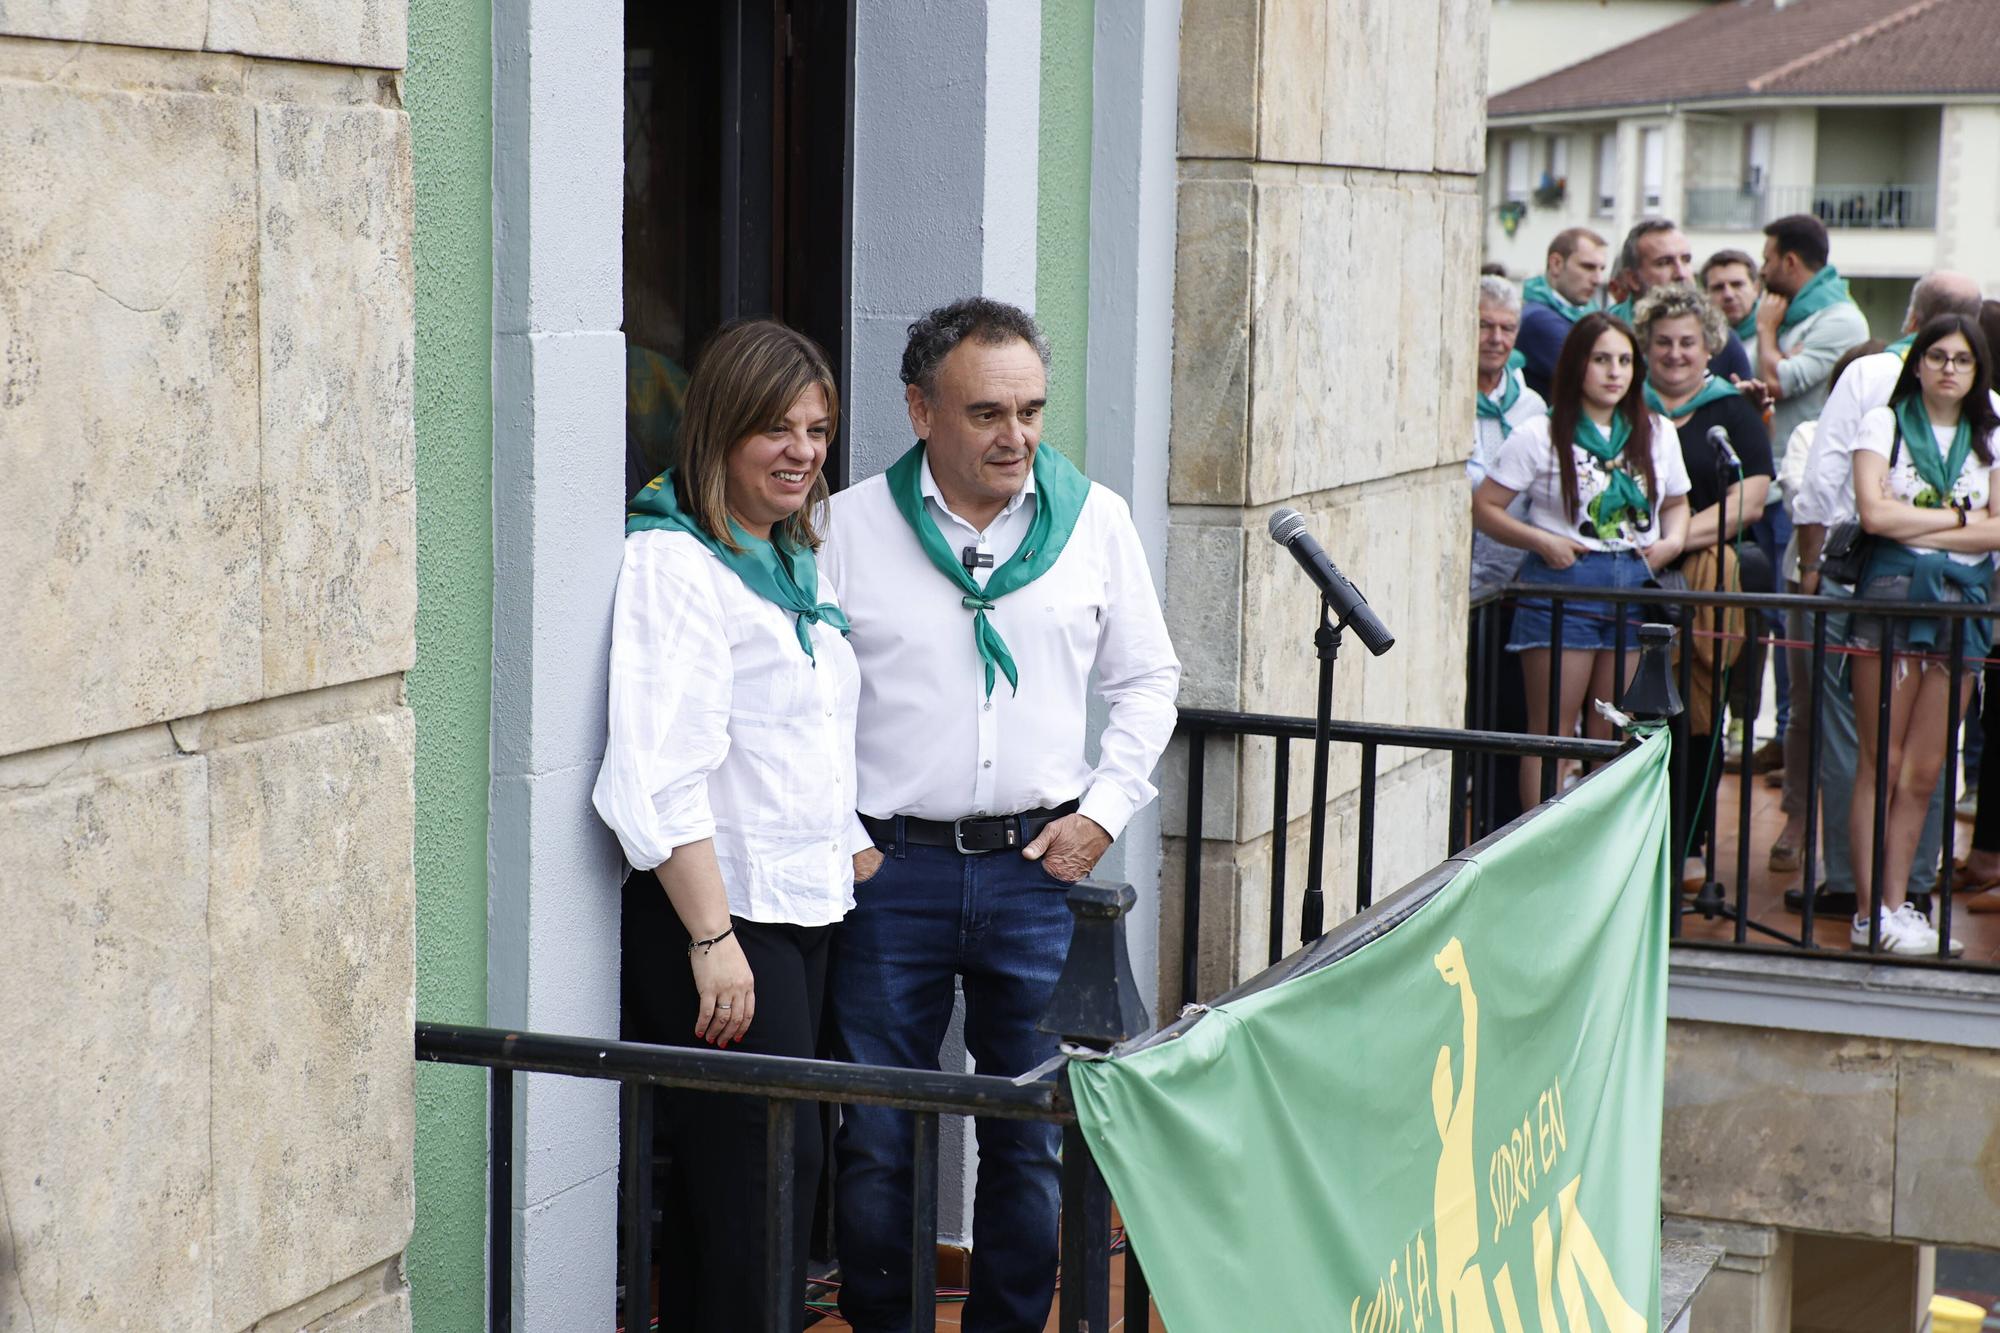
{"points": [[1673, 302], [979, 318], [1500, 292]]}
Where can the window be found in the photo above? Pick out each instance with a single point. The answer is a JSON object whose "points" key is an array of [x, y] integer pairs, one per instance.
{"points": [[1653, 169], [1517, 181], [1558, 168], [1607, 175], [735, 159]]}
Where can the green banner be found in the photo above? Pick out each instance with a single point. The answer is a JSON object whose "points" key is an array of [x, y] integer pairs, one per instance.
{"points": [[1455, 1127]]}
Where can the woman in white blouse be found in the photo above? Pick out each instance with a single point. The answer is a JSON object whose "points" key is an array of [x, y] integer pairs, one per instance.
{"points": [[1607, 506], [729, 780], [1925, 489]]}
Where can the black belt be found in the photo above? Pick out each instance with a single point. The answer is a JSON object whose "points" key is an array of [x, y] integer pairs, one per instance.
{"points": [[979, 833]]}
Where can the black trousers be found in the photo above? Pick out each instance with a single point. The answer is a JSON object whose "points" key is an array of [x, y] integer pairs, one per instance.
{"points": [[713, 1216]]}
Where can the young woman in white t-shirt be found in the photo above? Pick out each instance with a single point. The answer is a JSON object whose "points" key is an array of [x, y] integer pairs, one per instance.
{"points": [[1925, 489], [1604, 511]]}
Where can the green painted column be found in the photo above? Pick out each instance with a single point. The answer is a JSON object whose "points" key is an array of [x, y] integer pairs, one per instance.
{"points": [[448, 91], [1062, 222]]}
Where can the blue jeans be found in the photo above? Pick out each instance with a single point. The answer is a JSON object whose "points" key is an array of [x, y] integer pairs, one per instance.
{"points": [[1001, 924]]}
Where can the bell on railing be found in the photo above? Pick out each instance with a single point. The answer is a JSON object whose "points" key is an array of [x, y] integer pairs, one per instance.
{"points": [[1096, 1001], [1652, 695]]}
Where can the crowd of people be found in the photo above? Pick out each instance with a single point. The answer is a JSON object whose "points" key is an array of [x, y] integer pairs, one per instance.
{"points": [[1642, 422]]}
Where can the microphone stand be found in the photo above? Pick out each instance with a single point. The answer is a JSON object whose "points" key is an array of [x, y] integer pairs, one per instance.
{"points": [[1708, 900], [1312, 909]]}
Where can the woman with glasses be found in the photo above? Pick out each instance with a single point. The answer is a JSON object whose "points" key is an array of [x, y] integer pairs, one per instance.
{"points": [[1607, 505], [1924, 488]]}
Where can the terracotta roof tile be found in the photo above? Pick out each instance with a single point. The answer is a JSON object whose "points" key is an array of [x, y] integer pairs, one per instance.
{"points": [[1751, 48]]}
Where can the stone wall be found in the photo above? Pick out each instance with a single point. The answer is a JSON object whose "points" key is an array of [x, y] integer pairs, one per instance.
{"points": [[1329, 227], [207, 596]]}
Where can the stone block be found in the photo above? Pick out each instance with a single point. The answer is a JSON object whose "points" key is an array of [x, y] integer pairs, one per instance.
{"points": [[1218, 86], [1203, 608], [1948, 1146], [339, 499], [1457, 362], [1212, 310], [179, 24], [373, 33], [128, 319], [1409, 134], [1291, 79], [104, 1013], [1461, 87], [1359, 99], [311, 951], [1750, 1128], [387, 1314]]}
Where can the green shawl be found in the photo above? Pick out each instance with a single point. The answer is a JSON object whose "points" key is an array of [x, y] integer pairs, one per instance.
{"points": [[779, 571], [1537, 289], [1712, 389], [1060, 491], [1939, 471], [1826, 288]]}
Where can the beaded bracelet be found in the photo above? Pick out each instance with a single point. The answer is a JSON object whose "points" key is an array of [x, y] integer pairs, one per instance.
{"points": [[706, 945]]}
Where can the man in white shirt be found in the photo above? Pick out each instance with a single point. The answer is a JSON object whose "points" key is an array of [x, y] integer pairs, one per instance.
{"points": [[986, 581], [1825, 497]]}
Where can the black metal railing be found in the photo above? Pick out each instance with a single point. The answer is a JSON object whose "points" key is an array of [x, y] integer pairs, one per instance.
{"points": [[1095, 1005], [1817, 635], [1470, 816]]}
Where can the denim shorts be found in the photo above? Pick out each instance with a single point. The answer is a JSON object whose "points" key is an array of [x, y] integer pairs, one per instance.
{"points": [[1867, 631], [1586, 626]]}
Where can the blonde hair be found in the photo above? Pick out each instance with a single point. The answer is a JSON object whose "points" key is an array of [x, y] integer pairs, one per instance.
{"points": [[1677, 302], [751, 372]]}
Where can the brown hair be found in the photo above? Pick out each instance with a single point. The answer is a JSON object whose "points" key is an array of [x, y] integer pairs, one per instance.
{"points": [[1566, 405], [1566, 240], [749, 375]]}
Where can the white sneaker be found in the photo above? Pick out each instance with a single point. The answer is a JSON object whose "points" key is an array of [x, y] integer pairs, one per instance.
{"points": [[1956, 949], [1904, 931]]}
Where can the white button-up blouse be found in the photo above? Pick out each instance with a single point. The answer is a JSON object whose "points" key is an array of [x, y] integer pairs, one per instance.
{"points": [[721, 727]]}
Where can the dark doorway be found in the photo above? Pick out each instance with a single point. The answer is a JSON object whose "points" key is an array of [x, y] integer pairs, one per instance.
{"points": [[736, 115]]}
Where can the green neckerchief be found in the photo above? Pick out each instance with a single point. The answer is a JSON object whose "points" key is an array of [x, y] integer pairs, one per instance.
{"points": [[1060, 491], [1826, 288], [1712, 390], [1537, 289], [1491, 409], [779, 571], [1746, 328], [1621, 492], [1928, 572], [1940, 472], [1901, 347]]}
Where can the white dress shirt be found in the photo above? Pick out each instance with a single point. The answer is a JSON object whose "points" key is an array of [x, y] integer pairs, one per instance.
{"points": [[722, 727], [930, 742]]}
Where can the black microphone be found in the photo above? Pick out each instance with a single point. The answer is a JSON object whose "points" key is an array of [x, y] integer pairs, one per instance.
{"points": [[1718, 439], [1288, 530]]}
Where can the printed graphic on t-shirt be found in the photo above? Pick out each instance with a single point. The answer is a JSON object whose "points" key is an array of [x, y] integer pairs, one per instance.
{"points": [[1968, 491], [1605, 516]]}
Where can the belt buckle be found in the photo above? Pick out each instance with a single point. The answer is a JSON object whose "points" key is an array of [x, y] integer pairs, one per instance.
{"points": [[958, 833]]}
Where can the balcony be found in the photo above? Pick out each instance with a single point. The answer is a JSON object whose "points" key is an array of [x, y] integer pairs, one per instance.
{"points": [[1893, 207]]}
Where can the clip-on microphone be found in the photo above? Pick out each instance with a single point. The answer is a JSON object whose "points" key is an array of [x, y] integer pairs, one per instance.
{"points": [[973, 558]]}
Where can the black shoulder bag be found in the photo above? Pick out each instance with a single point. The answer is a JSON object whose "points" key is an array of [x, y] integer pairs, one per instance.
{"points": [[1844, 556]]}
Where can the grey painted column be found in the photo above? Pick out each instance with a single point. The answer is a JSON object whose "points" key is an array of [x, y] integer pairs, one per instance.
{"points": [[946, 141], [946, 146], [1135, 103], [558, 478]]}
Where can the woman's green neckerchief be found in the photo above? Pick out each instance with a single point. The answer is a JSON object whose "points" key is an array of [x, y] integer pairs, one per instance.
{"points": [[1622, 494], [1712, 390], [1939, 471], [779, 570]]}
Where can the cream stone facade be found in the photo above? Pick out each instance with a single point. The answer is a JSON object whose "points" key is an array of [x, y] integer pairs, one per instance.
{"points": [[1327, 222], [207, 595]]}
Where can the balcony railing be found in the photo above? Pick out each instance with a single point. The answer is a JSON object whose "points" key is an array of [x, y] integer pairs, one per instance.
{"points": [[1742, 208]]}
